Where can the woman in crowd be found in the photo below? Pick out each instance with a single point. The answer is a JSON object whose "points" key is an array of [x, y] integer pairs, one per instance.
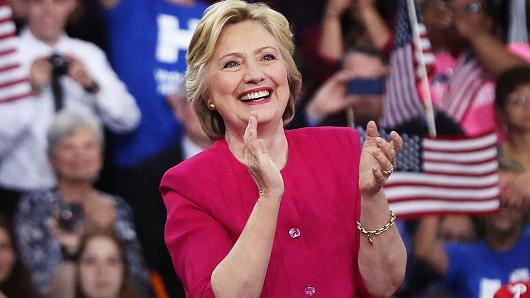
{"points": [[50, 222], [512, 101], [15, 280], [268, 212], [102, 269]]}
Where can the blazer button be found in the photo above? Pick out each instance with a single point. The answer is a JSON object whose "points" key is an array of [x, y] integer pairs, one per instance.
{"points": [[294, 233], [310, 291]]}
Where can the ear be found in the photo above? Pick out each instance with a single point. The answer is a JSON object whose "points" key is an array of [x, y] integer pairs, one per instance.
{"points": [[51, 159]]}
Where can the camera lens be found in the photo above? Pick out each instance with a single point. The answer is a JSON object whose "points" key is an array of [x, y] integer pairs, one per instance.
{"points": [[59, 64]]}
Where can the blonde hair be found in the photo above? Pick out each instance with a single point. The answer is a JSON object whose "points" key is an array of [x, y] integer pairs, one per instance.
{"points": [[202, 45]]}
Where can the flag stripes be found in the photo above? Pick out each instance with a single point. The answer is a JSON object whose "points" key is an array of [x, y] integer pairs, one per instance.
{"points": [[457, 175], [14, 82]]}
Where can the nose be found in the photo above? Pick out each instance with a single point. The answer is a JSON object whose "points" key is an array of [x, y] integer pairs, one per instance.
{"points": [[49, 5], [253, 73]]}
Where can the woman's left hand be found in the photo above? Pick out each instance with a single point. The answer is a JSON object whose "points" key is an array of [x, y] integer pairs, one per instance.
{"points": [[377, 162]]}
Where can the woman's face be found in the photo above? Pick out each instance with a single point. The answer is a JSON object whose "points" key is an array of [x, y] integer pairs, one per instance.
{"points": [[101, 269], [77, 156], [7, 255], [517, 109], [247, 73]]}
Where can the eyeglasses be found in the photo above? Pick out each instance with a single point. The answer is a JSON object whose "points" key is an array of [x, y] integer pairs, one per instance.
{"points": [[518, 100], [470, 8]]}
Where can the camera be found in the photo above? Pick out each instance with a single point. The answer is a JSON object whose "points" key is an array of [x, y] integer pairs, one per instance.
{"points": [[69, 215], [59, 64]]}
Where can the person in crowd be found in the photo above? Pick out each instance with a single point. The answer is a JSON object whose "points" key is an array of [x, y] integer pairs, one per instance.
{"points": [[353, 95], [160, 55], [49, 222], [102, 269], [15, 279], [150, 221], [264, 211], [512, 102], [65, 73]]}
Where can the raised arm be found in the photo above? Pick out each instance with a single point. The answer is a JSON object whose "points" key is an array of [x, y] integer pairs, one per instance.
{"points": [[331, 45], [491, 52], [428, 247], [376, 27], [382, 261], [242, 272]]}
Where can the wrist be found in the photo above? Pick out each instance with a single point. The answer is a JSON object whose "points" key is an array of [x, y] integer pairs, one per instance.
{"points": [[69, 254], [35, 88], [91, 87], [332, 13]]}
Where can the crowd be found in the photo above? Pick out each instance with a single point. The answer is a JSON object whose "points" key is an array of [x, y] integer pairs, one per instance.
{"points": [[103, 114]]}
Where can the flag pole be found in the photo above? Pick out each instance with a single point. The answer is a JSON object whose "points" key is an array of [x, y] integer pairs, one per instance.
{"points": [[427, 100]]}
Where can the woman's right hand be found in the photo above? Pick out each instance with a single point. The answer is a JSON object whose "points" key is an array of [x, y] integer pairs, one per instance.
{"points": [[259, 163], [40, 73], [70, 240]]}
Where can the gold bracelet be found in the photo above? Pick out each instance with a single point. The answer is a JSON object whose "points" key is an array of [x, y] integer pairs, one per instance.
{"points": [[378, 231]]}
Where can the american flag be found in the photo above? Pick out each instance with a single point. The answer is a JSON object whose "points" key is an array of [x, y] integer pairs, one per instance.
{"points": [[452, 175], [401, 100], [14, 83], [462, 88]]}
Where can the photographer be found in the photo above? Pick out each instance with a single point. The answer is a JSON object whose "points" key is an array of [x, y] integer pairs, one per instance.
{"points": [[65, 73], [51, 222], [353, 95]]}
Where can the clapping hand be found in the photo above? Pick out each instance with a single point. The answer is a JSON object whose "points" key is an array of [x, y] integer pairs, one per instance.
{"points": [[377, 160], [265, 172]]}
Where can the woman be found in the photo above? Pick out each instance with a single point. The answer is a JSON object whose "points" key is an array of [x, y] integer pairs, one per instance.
{"points": [[15, 280], [269, 212], [102, 268], [50, 222], [512, 103]]}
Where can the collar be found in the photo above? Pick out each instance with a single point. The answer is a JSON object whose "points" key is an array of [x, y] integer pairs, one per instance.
{"points": [[32, 41]]}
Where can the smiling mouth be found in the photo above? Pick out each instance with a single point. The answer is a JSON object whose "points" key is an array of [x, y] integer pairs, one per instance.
{"points": [[255, 96]]}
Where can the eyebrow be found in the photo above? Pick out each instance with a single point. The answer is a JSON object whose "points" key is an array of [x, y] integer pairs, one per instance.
{"points": [[261, 49]]}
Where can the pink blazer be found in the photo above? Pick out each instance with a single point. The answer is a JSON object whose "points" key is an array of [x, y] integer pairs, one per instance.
{"points": [[210, 197]]}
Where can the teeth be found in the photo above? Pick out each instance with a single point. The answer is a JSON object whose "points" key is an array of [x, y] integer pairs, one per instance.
{"points": [[255, 95]]}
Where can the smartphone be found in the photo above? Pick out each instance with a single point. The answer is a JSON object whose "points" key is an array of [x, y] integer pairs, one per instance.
{"points": [[362, 86], [69, 216]]}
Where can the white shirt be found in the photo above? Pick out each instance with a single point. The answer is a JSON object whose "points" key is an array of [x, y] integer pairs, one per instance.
{"points": [[189, 148], [23, 159]]}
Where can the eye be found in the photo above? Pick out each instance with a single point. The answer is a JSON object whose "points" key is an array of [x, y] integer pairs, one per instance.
{"points": [[268, 57], [231, 64]]}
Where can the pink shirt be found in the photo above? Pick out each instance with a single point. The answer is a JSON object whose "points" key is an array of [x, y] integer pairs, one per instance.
{"points": [[210, 197], [480, 116]]}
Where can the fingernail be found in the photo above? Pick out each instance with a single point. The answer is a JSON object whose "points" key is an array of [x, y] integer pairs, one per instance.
{"points": [[379, 140]]}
